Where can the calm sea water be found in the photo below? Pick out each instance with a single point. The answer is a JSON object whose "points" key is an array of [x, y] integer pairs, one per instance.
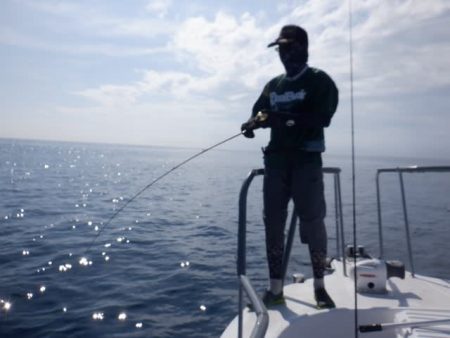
{"points": [[166, 266]]}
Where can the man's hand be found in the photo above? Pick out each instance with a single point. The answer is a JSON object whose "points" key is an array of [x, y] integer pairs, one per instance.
{"points": [[260, 120], [247, 128]]}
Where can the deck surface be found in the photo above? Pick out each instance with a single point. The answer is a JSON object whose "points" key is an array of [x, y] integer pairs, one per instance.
{"points": [[416, 298]]}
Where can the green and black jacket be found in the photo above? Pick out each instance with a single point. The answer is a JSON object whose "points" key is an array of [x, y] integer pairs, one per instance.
{"points": [[313, 97]]}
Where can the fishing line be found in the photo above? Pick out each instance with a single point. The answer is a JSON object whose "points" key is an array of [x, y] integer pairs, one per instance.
{"points": [[108, 222], [355, 276]]}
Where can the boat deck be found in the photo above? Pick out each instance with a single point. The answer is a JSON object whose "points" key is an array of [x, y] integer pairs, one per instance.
{"points": [[413, 299]]}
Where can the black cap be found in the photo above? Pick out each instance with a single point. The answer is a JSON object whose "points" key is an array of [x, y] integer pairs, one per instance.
{"points": [[291, 33]]}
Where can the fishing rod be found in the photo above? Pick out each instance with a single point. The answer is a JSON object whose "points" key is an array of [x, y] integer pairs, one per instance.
{"points": [[111, 218], [352, 118], [257, 121], [412, 325]]}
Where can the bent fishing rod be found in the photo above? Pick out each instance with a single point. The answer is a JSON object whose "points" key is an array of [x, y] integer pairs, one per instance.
{"points": [[114, 215], [259, 118]]}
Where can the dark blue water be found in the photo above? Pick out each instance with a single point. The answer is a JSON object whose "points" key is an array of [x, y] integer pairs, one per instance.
{"points": [[166, 266]]}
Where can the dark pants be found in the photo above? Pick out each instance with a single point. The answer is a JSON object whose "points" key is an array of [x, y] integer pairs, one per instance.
{"points": [[304, 184]]}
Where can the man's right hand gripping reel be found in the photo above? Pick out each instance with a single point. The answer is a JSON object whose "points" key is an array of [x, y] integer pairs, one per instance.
{"points": [[260, 120]]}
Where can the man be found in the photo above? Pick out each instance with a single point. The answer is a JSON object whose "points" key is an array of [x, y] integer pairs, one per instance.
{"points": [[296, 106]]}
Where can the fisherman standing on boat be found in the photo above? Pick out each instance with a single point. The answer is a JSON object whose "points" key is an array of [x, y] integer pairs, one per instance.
{"points": [[296, 106]]}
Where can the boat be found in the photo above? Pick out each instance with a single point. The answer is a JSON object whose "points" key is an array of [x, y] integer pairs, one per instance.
{"points": [[391, 301]]}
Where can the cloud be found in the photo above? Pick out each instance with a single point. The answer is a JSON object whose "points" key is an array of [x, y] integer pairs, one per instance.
{"points": [[393, 42], [227, 57], [51, 6], [86, 21], [233, 47], [398, 42], [81, 29], [228, 51], [159, 7], [11, 37], [112, 95]]}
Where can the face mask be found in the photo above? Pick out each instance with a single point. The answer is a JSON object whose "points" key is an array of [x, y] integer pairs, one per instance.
{"points": [[293, 56]]}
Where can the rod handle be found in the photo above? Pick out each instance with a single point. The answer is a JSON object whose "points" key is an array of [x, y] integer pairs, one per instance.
{"points": [[370, 328]]}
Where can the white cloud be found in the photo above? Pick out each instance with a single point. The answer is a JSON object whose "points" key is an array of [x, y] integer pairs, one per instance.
{"points": [[229, 53], [92, 21], [400, 42], [77, 28], [14, 38], [111, 95], [55, 7], [393, 42], [226, 45], [227, 56], [159, 7]]}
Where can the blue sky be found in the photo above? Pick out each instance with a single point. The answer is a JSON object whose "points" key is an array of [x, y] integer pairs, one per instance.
{"points": [[186, 73]]}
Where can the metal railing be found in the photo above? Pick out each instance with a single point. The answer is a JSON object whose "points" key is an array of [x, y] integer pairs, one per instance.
{"points": [[262, 317], [400, 171], [262, 320], [258, 330]]}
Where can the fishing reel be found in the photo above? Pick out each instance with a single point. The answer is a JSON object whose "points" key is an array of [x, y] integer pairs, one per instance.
{"points": [[262, 116], [268, 119], [260, 120]]}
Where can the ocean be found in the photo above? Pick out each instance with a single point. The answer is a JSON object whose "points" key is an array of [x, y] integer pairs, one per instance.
{"points": [[166, 265]]}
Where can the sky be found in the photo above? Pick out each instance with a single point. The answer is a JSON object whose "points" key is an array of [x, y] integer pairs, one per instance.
{"points": [[186, 73]]}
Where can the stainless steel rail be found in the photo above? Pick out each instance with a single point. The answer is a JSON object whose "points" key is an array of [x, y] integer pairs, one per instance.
{"points": [[262, 318], [241, 261], [400, 171], [262, 321], [339, 217]]}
